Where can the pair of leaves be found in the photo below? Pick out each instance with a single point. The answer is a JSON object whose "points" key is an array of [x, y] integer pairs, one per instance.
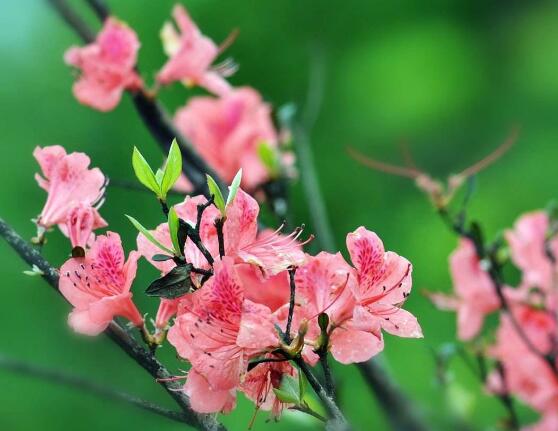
{"points": [[218, 198], [174, 284], [161, 182], [292, 389]]}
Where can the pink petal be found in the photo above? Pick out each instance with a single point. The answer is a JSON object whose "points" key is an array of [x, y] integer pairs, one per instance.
{"points": [[205, 399], [350, 346]]}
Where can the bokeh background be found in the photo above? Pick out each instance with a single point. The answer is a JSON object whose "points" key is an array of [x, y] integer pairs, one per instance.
{"points": [[448, 77]]}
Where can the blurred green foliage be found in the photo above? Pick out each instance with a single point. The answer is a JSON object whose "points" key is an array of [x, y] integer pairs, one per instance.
{"points": [[448, 77]]}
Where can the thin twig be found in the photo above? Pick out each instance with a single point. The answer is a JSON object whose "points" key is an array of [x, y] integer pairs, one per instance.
{"points": [[130, 346], [86, 385], [328, 377], [291, 304]]}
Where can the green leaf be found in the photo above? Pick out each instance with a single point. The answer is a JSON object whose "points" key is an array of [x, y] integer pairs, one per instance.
{"points": [[173, 168], [301, 385], [159, 177], [289, 391], [233, 188], [173, 230], [175, 283], [217, 195], [161, 257], [148, 235], [269, 158], [144, 173]]}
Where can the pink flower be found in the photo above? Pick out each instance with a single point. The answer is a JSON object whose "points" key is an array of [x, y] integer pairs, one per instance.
{"points": [[259, 383], [538, 389], [527, 244], [69, 183], [270, 251], [322, 286], [383, 283], [191, 55], [228, 131], [475, 295], [82, 220], [549, 422], [272, 291], [98, 286], [217, 330], [106, 65]]}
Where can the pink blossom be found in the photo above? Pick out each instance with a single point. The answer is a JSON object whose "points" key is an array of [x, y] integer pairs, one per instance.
{"points": [[82, 220], [475, 295], [537, 389], [217, 330], [549, 422], [98, 286], [190, 55], [69, 183], [259, 383], [272, 291], [270, 251], [106, 66], [228, 131], [383, 283], [324, 285], [527, 245]]}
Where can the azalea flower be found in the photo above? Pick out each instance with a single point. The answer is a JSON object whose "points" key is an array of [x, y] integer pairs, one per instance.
{"points": [[81, 221], [69, 183], [383, 285], [527, 246], [537, 389], [98, 286], [217, 331], [107, 66], [475, 295], [190, 56], [270, 251], [227, 132], [258, 385]]}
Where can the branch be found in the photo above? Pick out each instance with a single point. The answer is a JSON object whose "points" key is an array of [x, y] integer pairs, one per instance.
{"points": [[130, 346], [399, 411], [86, 385], [337, 420]]}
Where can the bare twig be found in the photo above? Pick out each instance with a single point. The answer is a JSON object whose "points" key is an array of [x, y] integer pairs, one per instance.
{"points": [[129, 345], [83, 384]]}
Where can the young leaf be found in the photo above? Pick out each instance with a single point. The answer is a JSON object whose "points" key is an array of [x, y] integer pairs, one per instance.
{"points": [[161, 257], [217, 195], [173, 231], [172, 285], [269, 158], [289, 392], [233, 188], [173, 168], [144, 173], [148, 235]]}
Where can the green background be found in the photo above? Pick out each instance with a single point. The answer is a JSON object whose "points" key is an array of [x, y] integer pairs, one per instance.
{"points": [[448, 77]]}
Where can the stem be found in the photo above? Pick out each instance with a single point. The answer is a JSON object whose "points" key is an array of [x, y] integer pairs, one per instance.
{"points": [[86, 385], [118, 335], [305, 408], [337, 419], [507, 399], [219, 224], [292, 284], [329, 384], [100, 9]]}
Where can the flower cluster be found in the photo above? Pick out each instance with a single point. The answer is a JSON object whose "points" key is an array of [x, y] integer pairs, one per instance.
{"points": [[231, 129], [240, 304], [526, 341]]}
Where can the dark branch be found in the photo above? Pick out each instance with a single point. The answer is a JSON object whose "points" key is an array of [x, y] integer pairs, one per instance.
{"points": [[130, 346], [86, 385], [292, 285]]}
